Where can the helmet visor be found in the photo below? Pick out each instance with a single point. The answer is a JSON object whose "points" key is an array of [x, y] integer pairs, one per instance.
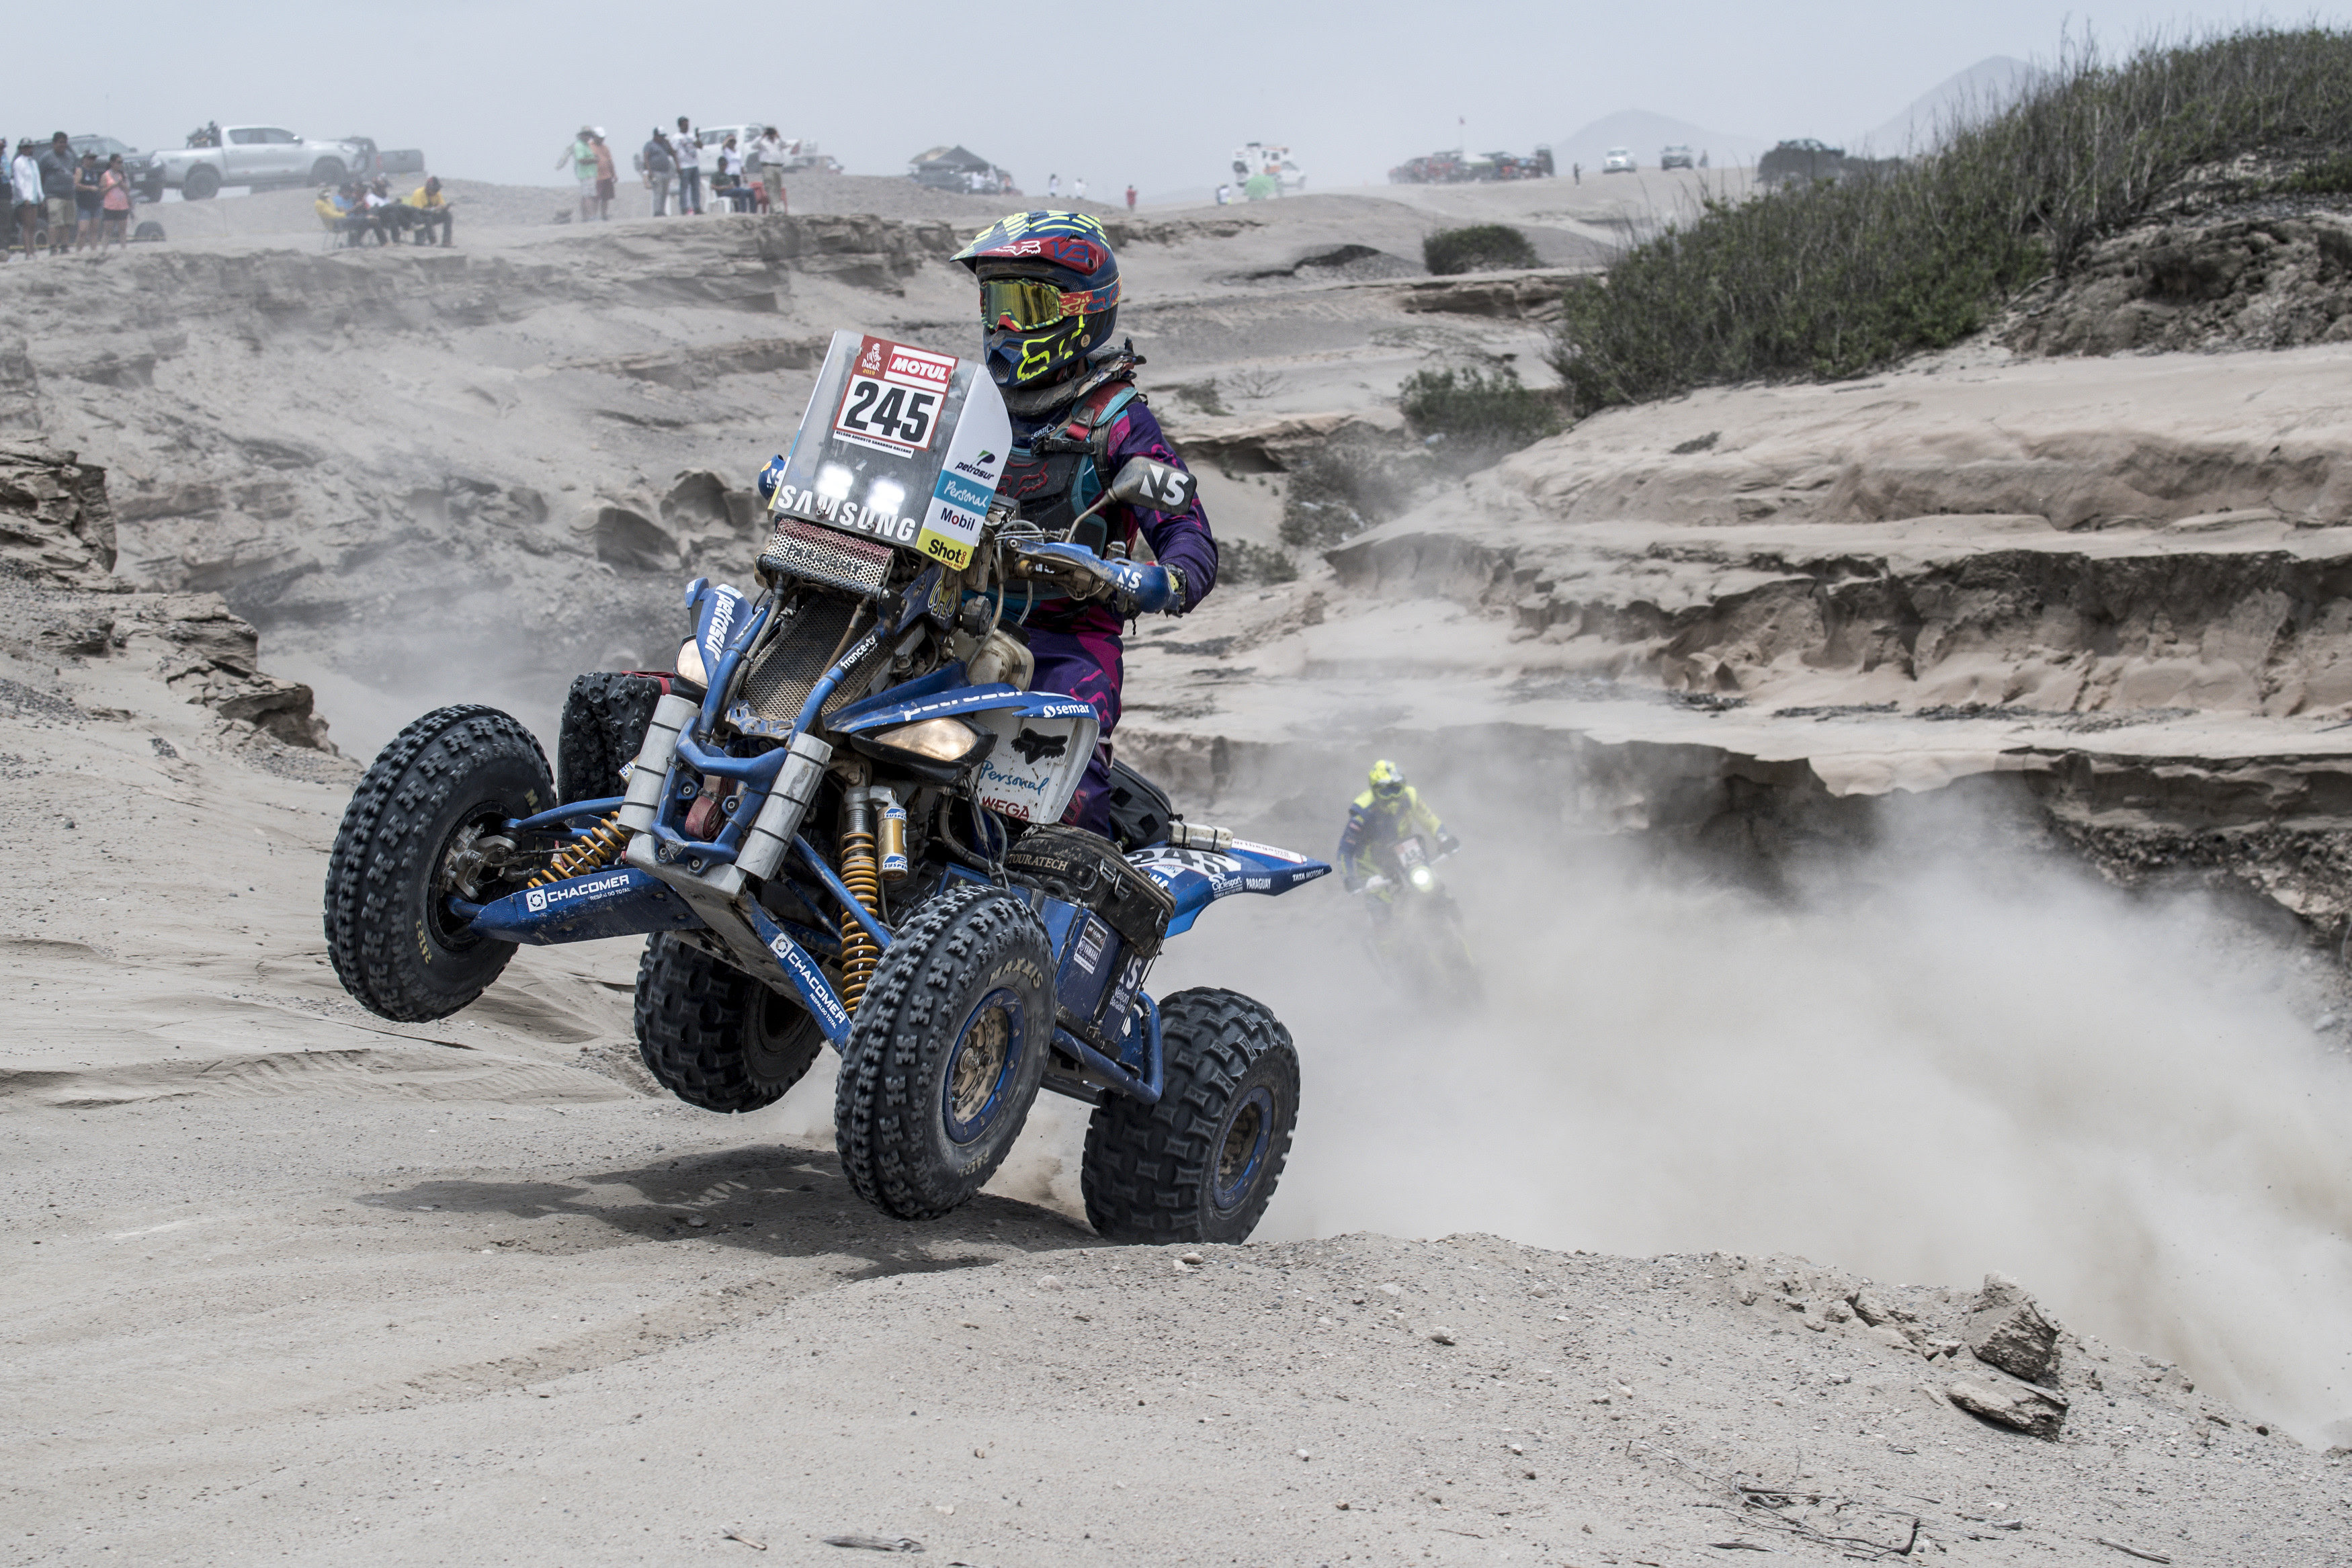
{"points": [[1024, 304], [1388, 788]]}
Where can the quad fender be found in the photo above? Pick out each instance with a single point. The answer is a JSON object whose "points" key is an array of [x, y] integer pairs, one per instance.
{"points": [[722, 617], [1044, 741], [1198, 878]]}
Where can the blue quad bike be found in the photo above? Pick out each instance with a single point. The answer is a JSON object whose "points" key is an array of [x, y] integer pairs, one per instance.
{"points": [[841, 827]]}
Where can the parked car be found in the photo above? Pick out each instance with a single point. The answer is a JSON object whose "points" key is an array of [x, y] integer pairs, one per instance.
{"points": [[1617, 161], [1676, 157], [256, 156]]}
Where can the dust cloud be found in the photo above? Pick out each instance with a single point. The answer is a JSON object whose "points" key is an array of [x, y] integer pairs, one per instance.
{"points": [[1941, 1060], [1924, 1066]]}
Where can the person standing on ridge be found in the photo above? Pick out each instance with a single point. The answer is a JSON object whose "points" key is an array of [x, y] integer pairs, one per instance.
{"points": [[686, 147], [1052, 187], [660, 166], [1049, 295], [769, 151], [608, 178], [56, 167], [1131, 197], [581, 158], [25, 180]]}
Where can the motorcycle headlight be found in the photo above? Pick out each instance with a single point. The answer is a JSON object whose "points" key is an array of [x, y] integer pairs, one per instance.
{"points": [[932, 748], [1423, 878], [691, 666]]}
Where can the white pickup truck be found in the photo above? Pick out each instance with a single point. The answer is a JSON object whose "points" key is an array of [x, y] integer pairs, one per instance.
{"points": [[256, 156]]}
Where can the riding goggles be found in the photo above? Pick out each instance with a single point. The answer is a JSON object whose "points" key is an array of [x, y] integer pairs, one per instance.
{"points": [[1025, 305]]}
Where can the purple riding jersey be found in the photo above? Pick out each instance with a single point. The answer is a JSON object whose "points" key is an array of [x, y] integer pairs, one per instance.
{"points": [[1078, 646]]}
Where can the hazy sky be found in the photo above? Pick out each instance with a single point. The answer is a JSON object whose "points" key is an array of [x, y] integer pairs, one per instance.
{"points": [[1155, 94]]}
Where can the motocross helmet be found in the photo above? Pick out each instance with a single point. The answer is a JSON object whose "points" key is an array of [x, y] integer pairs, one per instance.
{"points": [[1388, 780], [1049, 294]]}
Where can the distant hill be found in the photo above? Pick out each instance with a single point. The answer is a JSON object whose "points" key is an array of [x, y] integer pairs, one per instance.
{"points": [[1986, 86], [1644, 133]]}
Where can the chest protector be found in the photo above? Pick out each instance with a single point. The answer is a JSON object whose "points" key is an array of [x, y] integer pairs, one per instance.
{"points": [[1059, 472]]}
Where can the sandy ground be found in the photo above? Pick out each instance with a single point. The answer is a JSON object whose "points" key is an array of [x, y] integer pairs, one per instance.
{"points": [[288, 1282]]}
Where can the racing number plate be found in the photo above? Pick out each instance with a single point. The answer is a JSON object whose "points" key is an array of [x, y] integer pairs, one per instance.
{"points": [[893, 397]]}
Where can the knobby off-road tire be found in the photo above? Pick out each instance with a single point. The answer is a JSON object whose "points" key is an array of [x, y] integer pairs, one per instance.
{"points": [[396, 947], [946, 1054], [1201, 1164], [605, 720], [201, 184], [715, 1037]]}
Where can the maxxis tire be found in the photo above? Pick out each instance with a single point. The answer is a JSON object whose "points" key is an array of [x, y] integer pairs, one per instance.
{"points": [[1201, 1164], [714, 1035], [973, 961], [202, 183], [605, 720], [394, 947]]}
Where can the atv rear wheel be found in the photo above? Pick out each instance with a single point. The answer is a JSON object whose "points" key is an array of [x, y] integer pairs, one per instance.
{"points": [[605, 720], [714, 1035], [421, 829], [944, 1060], [1201, 1164]]}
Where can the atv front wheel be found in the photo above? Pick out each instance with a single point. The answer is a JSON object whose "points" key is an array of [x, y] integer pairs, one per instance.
{"points": [[946, 1054], [715, 1037], [1201, 1164], [423, 828]]}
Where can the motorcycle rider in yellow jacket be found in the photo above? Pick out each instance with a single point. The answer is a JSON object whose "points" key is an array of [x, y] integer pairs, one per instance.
{"points": [[1389, 810]]}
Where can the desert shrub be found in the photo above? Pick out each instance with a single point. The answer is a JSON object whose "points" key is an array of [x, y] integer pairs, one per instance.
{"points": [[1481, 247], [2322, 177], [1240, 563], [1474, 408], [1352, 483], [1832, 279]]}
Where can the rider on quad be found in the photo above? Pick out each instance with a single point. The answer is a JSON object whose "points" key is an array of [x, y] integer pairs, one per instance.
{"points": [[1049, 300], [1389, 810]]}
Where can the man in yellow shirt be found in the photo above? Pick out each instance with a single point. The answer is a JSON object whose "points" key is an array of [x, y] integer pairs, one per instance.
{"points": [[429, 207]]}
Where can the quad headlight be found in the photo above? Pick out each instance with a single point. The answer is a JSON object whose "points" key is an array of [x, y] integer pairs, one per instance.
{"points": [[930, 748]]}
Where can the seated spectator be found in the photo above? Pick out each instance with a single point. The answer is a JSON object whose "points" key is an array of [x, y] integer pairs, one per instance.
{"points": [[427, 206]]}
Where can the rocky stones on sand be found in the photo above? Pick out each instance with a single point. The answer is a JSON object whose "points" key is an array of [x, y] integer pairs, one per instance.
{"points": [[2037, 1412], [2006, 1329], [631, 540], [54, 523]]}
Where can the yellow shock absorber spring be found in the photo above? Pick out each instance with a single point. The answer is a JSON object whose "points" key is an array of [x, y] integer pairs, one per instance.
{"points": [[605, 841], [862, 874]]}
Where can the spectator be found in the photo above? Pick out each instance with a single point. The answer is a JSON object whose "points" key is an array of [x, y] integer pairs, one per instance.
{"points": [[582, 156], [1052, 187], [1576, 173], [686, 147], [1224, 194], [114, 202], [660, 167], [771, 148], [608, 178], [427, 208], [58, 191], [1079, 191], [25, 183], [1131, 198], [86, 196]]}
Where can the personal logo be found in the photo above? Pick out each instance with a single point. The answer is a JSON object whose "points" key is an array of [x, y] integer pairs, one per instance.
{"points": [[1035, 745]]}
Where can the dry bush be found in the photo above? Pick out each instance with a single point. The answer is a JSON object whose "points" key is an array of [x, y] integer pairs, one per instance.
{"points": [[1834, 280]]}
